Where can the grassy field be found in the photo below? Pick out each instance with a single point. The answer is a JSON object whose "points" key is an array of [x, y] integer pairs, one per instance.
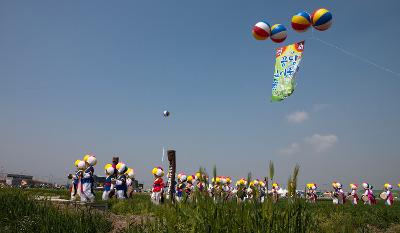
{"points": [[20, 213], [285, 216]]}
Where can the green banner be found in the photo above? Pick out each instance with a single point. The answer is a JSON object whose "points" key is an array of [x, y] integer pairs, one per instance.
{"points": [[287, 63]]}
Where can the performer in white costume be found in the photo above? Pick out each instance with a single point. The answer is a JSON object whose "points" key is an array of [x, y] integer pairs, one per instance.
{"points": [[368, 196], [87, 178], [75, 182], [108, 184], [180, 187], [353, 194], [129, 182], [389, 195], [120, 183]]}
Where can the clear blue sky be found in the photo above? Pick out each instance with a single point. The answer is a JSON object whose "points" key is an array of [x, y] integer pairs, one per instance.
{"points": [[94, 76]]}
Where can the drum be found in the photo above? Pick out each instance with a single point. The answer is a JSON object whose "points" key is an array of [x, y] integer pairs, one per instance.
{"points": [[383, 196], [364, 198]]}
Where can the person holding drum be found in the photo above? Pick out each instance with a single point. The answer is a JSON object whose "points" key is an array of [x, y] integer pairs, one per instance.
{"points": [[274, 192], [312, 192], [387, 195], [263, 191], [338, 195], [342, 195], [353, 194], [368, 196], [335, 194]]}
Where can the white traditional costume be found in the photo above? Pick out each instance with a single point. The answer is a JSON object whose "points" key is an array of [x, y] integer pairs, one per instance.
{"points": [[87, 178], [354, 194], [108, 184], [389, 195], [76, 181], [120, 183], [180, 187], [370, 198]]}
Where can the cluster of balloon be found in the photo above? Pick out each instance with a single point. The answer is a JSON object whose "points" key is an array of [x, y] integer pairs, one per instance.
{"points": [[320, 19], [262, 30]]}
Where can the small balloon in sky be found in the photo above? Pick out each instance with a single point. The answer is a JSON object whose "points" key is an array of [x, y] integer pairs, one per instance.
{"points": [[321, 19], [166, 113], [301, 21], [261, 31], [278, 33]]}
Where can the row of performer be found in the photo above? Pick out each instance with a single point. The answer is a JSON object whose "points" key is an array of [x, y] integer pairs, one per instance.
{"points": [[119, 177], [118, 182], [221, 188], [368, 197]]}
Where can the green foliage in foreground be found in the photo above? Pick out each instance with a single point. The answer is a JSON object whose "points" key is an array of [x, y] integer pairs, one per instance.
{"points": [[286, 216], [207, 216], [19, 213]]}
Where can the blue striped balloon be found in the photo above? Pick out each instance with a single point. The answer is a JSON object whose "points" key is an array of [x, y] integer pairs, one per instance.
{"points": [[278, 33]]}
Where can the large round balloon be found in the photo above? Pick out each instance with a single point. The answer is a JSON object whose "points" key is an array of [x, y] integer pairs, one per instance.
{"points": [[301, 21], [261, 30], [321, 19], [166, 114], [278, 33]]}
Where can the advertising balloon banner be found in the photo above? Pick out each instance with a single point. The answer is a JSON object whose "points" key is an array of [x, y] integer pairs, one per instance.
{"points": [[287, 63]]}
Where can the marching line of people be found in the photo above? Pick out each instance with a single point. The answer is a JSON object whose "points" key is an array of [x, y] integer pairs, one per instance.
{"points": [[82, 179], [221, 188], [118, 181], [368, 196]]}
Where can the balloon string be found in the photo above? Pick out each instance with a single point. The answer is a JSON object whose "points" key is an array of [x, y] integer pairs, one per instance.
{"points": [[363, 59]]}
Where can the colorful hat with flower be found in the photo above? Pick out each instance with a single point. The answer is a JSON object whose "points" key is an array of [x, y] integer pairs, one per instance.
{"points": [[109, 169], [354, 186], [388, 186], [130, 173], [158, 171], [191, 179], [365, 185], [182, 177]]}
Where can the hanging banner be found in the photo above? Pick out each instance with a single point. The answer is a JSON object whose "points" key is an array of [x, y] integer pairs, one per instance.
{"points": [[286, 66]]}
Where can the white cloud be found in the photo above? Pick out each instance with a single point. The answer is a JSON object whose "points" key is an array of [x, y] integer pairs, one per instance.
{"points": [[317, 143], [297, 117], [290, 150], [321, 143]]}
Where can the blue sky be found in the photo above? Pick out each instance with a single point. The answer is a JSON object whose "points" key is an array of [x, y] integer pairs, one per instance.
{"points": [[82, 77]]}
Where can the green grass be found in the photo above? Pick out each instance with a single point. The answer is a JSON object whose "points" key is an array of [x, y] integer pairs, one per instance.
{"points": [[63, 193], [285, 216], [20, 213]]}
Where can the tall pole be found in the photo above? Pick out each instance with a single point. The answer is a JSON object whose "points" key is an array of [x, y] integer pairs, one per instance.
{"points": [[171, 173]]}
